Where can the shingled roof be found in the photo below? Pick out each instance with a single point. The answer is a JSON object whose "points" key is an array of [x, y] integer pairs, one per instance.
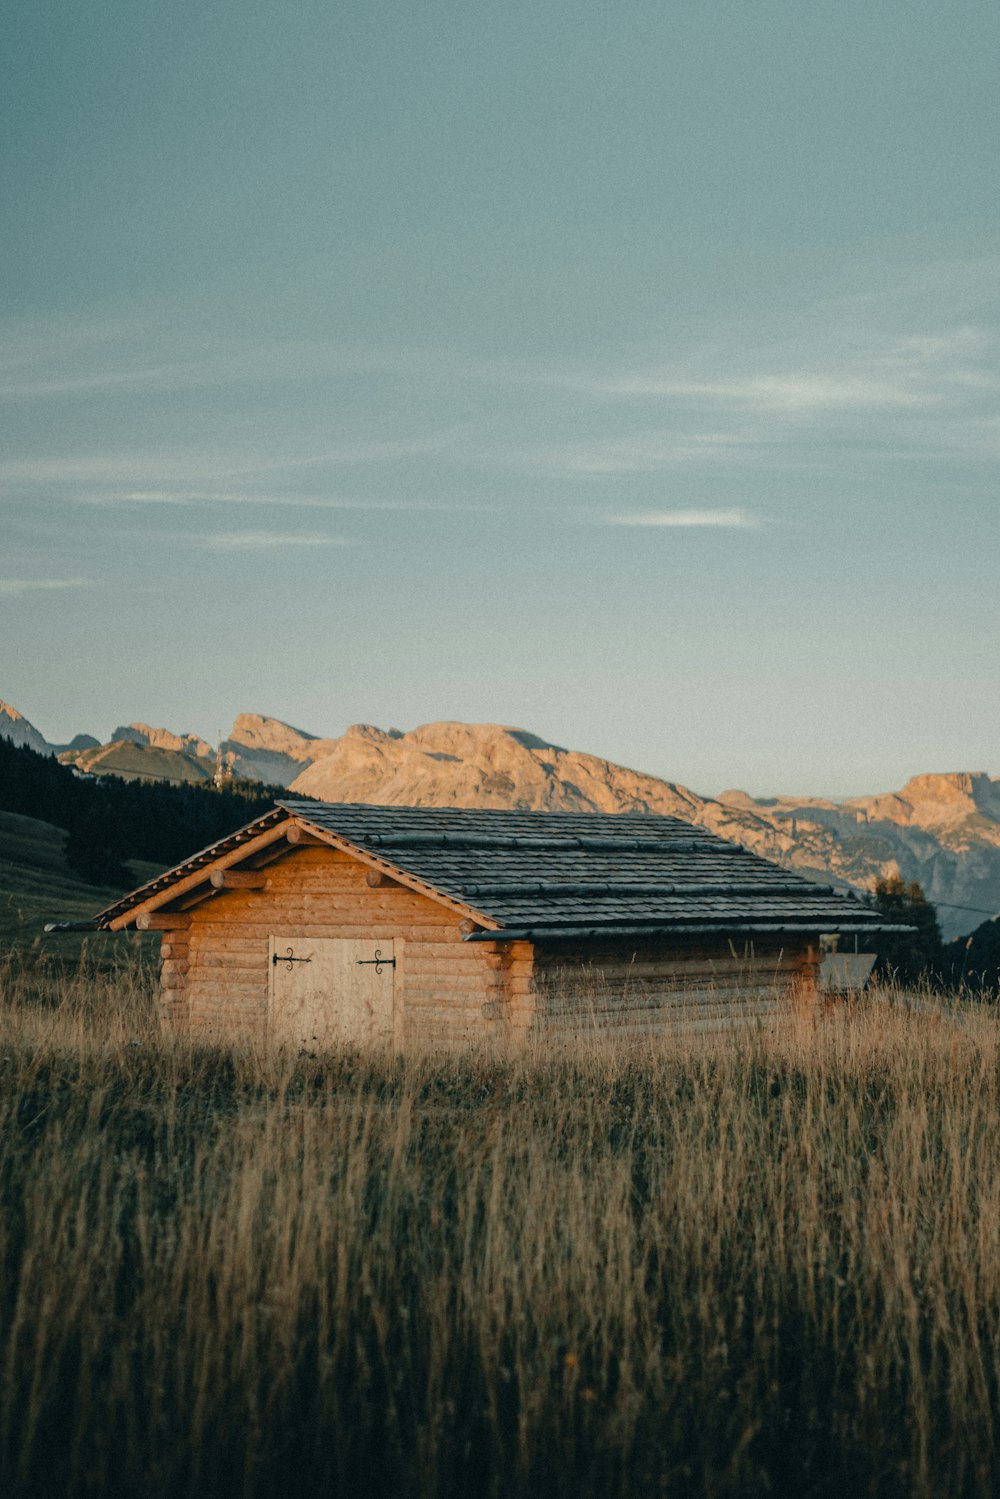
{"points": [[548, 875]]}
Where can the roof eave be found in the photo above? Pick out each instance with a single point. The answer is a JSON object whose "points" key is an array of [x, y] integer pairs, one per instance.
{"points": [[187, 877], [542, 933]]}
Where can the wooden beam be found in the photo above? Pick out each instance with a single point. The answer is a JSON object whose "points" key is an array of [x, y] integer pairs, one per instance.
{"points": [[162, 921], [238, 879], [304, 839], [173, 891]]}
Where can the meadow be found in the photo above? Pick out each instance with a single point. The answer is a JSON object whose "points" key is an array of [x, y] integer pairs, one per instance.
{"points": [[764, 1262]]}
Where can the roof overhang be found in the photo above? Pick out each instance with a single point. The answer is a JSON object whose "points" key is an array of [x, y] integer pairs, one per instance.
{"points": [[268, 838], [542, 933]]}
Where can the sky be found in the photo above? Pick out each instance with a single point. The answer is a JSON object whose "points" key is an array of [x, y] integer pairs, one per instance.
{"points": [[625, 373]]}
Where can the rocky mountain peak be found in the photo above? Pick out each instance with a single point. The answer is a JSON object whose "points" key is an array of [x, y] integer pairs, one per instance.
{"points": [[258, 731], [935, 800], [143, 733], [19, 730]]}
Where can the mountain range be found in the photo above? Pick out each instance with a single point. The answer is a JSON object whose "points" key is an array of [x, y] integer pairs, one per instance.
{"points": [[942, 830]]}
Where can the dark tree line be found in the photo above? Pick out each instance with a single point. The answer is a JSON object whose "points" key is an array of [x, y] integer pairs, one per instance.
{"points": [[109, 821], [967, 964]]}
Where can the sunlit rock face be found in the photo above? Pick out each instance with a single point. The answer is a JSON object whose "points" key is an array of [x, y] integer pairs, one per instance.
{"points": [[265, 749], [942, 830], [15, 727], [143, 733]]}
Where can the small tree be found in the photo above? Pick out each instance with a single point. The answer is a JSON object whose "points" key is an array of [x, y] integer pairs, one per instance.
{"points": [[972, 963], [907, 956]]}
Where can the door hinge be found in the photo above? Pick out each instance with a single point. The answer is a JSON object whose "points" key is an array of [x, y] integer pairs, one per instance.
{"points": [[378, 962], [289, 958]]}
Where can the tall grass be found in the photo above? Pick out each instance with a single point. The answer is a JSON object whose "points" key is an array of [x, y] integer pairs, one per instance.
{"points": [[764, 1262]]}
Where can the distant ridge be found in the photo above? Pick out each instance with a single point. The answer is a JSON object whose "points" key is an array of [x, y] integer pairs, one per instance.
{"points": [[15, 727], [942, 830]]}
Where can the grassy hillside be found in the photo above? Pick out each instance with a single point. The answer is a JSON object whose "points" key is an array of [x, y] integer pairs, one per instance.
{"points": [[36, 886], [142, 762]]}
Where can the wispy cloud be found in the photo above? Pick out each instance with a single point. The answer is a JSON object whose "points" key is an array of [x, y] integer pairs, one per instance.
{"points": [[145, 473], [205, 497], [646, 452], [265, 541], [795, 391], [732, 520], [12, 587]]}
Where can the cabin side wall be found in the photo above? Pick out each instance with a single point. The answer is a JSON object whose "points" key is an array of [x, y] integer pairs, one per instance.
{"points": [[669, 986], [446, 991]]}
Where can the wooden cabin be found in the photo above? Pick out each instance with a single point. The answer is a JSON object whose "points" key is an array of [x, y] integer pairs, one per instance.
{"points": [[322, 924]]}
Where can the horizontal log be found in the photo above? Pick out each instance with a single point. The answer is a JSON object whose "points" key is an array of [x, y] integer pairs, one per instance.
{"points": [[238, 879], [171, 966], [667, 1014], [335, 908], [303, 839], [666, 969], [418, 963], [444, 1023], [162, 921], [417, 999], [290, 924], [241, 989], [250, 961]]}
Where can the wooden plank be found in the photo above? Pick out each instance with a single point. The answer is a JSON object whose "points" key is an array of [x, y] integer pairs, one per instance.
{"points": [[160, 921], [238, 879]]}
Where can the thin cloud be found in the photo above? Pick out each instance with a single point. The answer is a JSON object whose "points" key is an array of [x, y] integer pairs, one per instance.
{"points": [[264, 541], [141, 497], [12, 587], [645, 454], [731, 520], [134, 471], [791, 392]]}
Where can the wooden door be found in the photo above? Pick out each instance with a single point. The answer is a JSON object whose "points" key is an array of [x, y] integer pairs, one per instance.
{"points": [[327, 991]]}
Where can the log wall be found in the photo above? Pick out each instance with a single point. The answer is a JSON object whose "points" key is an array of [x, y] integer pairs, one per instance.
{"points": [[445, 991], [669, 988]]}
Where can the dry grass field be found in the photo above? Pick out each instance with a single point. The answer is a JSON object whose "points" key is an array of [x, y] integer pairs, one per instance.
{"points": [[767, 1262]]}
